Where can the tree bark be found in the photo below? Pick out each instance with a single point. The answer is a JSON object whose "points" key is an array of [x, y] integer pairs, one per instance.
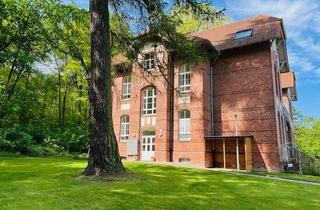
{"points": [[104, 158], [79, 105], [59, 97], [64, 102]]}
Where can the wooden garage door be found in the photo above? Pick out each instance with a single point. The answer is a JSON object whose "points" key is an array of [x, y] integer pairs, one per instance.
{"points": [[242, 154], [218, 154], [230, 153]]}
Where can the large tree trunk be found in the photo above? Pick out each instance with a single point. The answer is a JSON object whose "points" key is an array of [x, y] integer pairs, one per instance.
{"points": [[104, 158]]}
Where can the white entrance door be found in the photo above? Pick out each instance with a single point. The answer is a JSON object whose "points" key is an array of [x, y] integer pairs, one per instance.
{"points": [[148, 147]]}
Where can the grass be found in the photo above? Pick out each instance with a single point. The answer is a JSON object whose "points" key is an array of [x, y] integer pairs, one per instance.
{"points": [[36, 183], [310, 178]]}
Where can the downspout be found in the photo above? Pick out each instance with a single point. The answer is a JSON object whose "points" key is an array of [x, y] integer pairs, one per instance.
{"points": [[211, 101], [237, 140], [171, 105], [213, 61], [212, 105]]}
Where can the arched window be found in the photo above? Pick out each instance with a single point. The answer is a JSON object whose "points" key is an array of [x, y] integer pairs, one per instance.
{"points": [[184, 78], [184, 125], [149, 101], [126, 87], [124, 127]]}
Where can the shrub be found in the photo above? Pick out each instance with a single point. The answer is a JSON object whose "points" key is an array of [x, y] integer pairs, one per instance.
{"points": [[45, 151], [15, 140], [43, 141]]}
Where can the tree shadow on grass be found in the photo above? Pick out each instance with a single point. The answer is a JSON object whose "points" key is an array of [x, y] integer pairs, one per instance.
{"points": [[118, 178], [150, 187]]}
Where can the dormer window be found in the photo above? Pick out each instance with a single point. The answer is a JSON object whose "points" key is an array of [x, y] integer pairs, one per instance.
{"points": [[243, 34], [148, 62]]}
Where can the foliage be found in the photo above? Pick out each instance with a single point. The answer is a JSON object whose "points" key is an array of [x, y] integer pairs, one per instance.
{"points": [[50, 183], [307, 131], [15, 140], [170, 29], [40, 141], [45, 69], [190, 22], [22, 32], [44, 53]]}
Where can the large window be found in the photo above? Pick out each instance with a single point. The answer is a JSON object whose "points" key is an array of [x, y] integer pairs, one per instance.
{"points": [[149, 101], [184, 125], [148, 62], [184, 79], [124, 127], [126, 87]]}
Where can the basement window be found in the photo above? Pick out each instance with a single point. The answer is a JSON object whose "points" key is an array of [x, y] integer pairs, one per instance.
{"points": [[243, 34], [184, 160]]}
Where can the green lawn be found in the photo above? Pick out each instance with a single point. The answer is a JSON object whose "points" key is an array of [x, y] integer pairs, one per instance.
{"points": [[310, 178], [35, 183]]}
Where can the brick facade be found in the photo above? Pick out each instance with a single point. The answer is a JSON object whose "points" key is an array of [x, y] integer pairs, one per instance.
{"points": [[243, 84], [243, 91]]}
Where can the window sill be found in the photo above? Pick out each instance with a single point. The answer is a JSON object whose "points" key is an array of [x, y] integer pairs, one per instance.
{"points": [[148, 115], [148, 70], [184, 94], [184, 140], [123, 140]]}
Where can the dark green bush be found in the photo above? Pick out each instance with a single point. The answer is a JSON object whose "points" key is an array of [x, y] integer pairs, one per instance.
{"points": [[15, 140], [45, 151], [43, 141]]}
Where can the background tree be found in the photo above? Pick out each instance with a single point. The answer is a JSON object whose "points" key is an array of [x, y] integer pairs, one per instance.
{"points": [[22, 44], [307, 131], [29, 78], [190, 23]]}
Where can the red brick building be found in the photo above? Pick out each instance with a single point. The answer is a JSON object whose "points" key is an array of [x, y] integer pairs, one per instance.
{"points": [[233, 112]]}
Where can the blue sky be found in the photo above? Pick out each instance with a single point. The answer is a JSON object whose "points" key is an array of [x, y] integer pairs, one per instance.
{"points": [[302, 25]]}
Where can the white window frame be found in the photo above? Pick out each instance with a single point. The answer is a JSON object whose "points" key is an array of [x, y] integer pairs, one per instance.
{"points": [[184, 78], [126, 87], [184, 125], [149, 105], [124, 127], [148, 61]]}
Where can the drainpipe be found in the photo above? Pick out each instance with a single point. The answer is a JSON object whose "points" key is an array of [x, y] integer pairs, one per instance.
{"points": [[212, 107], [236, 123], [213, 61], [211, 101], [237, 141], [171, 105]]}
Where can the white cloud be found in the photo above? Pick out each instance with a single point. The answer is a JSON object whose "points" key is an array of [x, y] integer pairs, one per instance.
{"points": [[305, 41], [302, 25], [302, 62], [294, 12]]}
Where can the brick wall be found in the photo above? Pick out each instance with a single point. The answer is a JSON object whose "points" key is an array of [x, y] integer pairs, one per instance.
{"points": [[197, 102], [158, 122], [244, 86], [199, 107]]}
